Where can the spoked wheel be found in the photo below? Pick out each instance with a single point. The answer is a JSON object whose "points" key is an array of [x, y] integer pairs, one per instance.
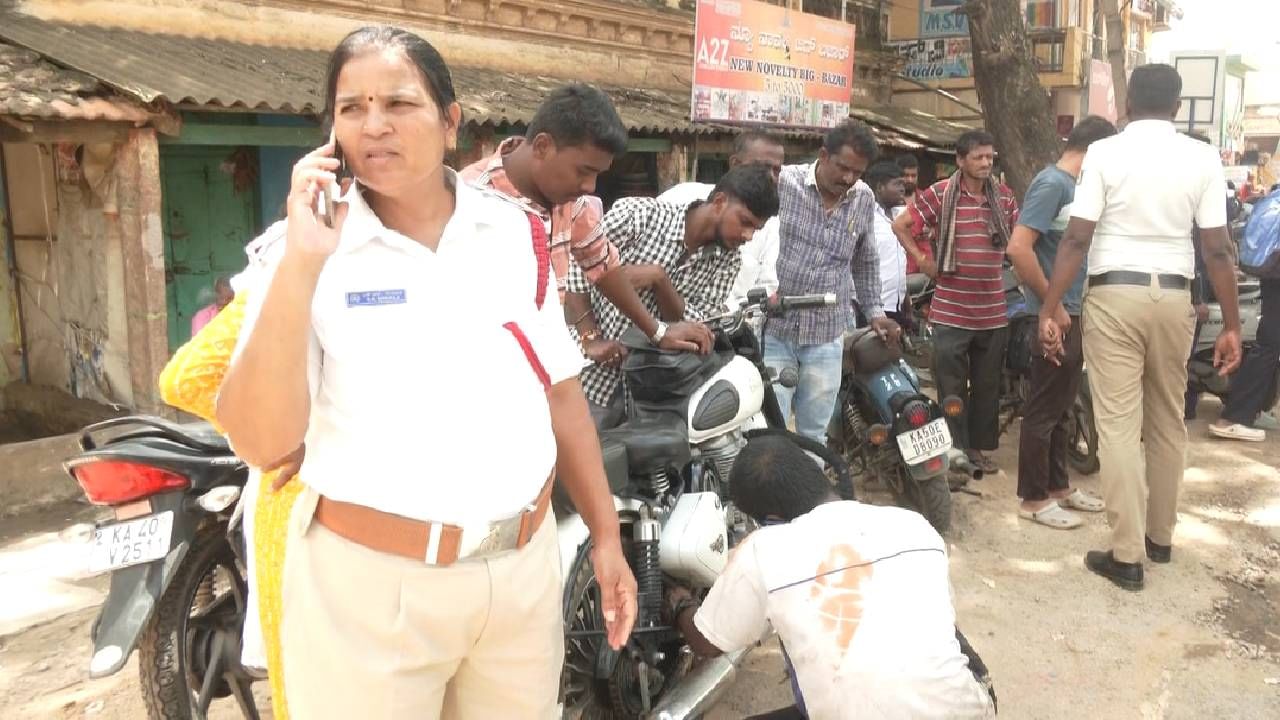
{"points": [[189, 653], [584, 638], [621, 694]]}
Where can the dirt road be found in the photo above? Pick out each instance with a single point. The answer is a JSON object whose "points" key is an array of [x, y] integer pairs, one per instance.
{"points": [[1203, 640]]}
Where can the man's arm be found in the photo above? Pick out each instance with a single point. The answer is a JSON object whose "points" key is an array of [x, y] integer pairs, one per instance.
{"points": [[1022, 254], [1042, 204], [1071, 254], [734, 614], [698, 643], [924, 211], [866, 266], [619, 227], [1219, 261]]}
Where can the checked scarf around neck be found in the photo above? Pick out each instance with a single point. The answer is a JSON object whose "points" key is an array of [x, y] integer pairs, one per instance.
{"points": [[1000, 231]]}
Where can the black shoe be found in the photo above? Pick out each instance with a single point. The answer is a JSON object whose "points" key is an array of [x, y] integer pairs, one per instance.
{"points": [[1126, 575], [1159, 553]]}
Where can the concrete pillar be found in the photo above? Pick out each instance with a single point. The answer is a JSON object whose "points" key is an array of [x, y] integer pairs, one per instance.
{"points": [[137, 171]]}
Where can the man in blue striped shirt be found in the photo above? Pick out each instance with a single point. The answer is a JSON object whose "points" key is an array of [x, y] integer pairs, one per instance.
{"points": [[827, 221]]}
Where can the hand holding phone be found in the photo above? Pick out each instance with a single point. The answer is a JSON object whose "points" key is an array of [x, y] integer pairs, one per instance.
{"points": [[315, 214]]}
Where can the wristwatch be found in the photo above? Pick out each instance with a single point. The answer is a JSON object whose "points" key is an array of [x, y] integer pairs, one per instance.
{"points": [[658, 334]]}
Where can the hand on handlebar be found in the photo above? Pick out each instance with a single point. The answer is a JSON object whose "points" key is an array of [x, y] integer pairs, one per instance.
{"points": [[688, 337], [888, 330]]}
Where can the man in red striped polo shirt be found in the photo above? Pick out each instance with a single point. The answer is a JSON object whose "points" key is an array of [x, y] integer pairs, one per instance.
{"points": [[968, 312]]}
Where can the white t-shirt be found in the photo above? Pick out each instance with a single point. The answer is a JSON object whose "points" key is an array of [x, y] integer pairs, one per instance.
{"points": [[859, 595], [413, 353], [1145, 187], [759, 254]]}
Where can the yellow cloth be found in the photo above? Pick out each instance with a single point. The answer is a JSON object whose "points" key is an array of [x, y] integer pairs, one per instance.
{"points": [[190, 383]]}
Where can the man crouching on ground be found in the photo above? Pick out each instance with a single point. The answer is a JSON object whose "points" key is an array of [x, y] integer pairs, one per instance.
{"points": [[858, 594]]}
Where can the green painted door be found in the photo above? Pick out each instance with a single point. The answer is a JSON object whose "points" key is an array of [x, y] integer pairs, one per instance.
{"points": [[206, 225]]}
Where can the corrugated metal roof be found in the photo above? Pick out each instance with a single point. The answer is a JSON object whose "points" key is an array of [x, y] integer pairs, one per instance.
{"points": [[926, 128], [221, 73], [177, 69], [32, 87]]}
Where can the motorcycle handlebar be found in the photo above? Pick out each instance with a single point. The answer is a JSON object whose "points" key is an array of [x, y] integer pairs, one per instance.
{"points": [[783, 303]]}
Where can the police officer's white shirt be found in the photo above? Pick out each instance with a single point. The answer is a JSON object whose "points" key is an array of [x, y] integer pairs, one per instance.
{"points": [[759, 254], [1145, 187], [423, 404]]}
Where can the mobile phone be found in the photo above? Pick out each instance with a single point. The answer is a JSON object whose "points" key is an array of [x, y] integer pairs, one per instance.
{"points": [[328, 196]]}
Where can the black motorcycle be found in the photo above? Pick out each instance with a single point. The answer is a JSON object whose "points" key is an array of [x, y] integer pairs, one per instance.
{"points": [[175, 554], [887, 429]]}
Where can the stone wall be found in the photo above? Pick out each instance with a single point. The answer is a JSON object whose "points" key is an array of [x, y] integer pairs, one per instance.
{"points": [[92, 279]]}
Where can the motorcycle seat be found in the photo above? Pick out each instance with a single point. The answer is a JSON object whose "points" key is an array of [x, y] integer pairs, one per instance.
{"points": [[652, 445]]}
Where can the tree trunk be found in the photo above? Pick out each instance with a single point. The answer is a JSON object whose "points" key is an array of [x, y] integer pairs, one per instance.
{"points": [[1014, 104]]}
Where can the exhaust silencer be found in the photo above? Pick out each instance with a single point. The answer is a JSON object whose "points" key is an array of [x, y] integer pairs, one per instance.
{"points": [[960, 462], [700, 689]]}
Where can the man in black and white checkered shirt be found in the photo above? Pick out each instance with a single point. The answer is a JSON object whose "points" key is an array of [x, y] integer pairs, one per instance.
{"points": [[683, 259]]}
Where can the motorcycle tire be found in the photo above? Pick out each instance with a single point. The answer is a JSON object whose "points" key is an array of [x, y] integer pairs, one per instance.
{"points": [[931, 498], [167, 688], [1084, 430], [582, 697]]}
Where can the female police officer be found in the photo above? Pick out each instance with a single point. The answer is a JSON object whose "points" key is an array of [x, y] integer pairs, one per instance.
{"points": [[436, 400]]}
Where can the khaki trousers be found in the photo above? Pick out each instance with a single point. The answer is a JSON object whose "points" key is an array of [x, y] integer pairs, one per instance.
{"points": [[1136, 343], [371, 635]]}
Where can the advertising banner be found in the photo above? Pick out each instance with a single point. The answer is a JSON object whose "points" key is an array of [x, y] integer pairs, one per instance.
{"points": [[763, 64], [1102, 91], [939, 19], [935, 58]]}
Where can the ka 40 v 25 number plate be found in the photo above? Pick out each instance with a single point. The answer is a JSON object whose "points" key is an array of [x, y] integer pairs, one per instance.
{"points": [[131, 543], [925, 443]]}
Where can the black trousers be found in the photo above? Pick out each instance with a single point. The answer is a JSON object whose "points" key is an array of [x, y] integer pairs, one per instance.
{"points": [[969, 364], [1042, 444], [1253, 387]]}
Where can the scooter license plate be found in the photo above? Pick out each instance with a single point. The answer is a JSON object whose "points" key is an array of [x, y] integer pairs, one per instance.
{"points": [[120, 545], [925, 443]]}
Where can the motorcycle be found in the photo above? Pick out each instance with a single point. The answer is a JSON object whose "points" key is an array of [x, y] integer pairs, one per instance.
{"points": [[668, 468], [174, 549], [917, 338], [886, 428]]}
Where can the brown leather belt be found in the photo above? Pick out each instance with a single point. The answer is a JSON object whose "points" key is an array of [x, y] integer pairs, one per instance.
{"points": [[432, 543]]}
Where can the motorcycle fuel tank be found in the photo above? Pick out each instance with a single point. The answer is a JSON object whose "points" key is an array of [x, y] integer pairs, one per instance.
{"points": [[694, 544], [725, 400]]}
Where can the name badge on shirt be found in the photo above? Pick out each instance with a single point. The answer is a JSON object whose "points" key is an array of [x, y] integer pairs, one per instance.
{"points": [[373, 298]]}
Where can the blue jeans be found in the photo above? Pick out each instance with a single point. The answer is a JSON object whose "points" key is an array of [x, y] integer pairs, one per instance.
{"points": [[814, 396]]}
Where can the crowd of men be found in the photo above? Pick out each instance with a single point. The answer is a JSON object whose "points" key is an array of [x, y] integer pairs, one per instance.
{"points": [[858, 227]]}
